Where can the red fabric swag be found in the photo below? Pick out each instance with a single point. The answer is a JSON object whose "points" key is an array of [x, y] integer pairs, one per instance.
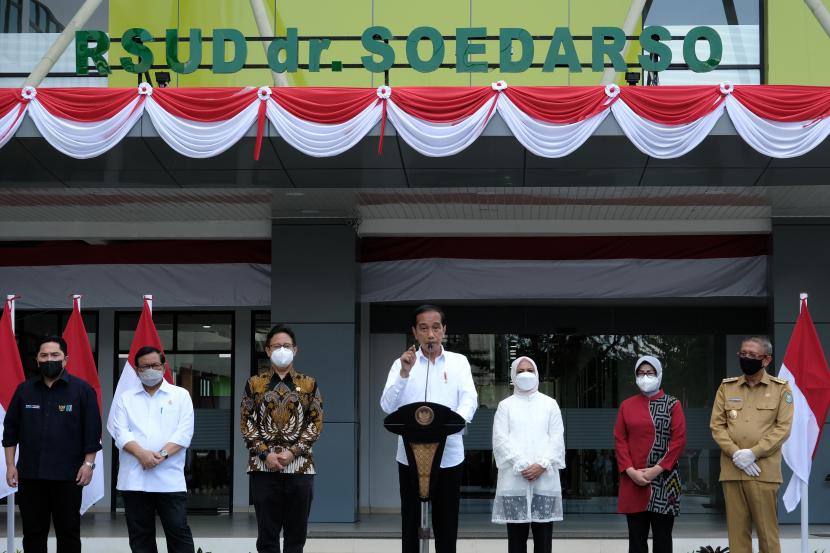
{"points": [[785, 103], [672, 105], [559, 104], [324, 105], [205, 104], [79, 104], [441, 104]]}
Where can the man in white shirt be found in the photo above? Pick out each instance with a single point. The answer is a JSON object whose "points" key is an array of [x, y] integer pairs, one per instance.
{"points": [[152, 428], [450, 383]]}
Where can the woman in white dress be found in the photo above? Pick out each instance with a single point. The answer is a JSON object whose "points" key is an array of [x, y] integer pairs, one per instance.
{"points": [[529, 449]]}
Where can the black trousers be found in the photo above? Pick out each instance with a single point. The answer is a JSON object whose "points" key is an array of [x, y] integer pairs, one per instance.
{"points": [[542, 537], [141, 509], [282, 503], [444, 509], [43, 502], [661, 526]]}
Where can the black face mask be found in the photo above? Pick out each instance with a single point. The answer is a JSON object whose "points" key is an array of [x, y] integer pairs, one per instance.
{"points": [[750, 366], [51, 369]]}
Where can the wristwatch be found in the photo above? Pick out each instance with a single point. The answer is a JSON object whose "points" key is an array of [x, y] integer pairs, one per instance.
{"points": [[163, 453], [90, 465]]}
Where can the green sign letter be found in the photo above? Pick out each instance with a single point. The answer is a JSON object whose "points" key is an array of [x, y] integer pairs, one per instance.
{"points": [[290, 45], [171, 43], [134, 41], [240, 50], [562, 40], [382, 49], [650, 40], [315, 49], [432, 34], [507, 35], [715, 49], [600, 49], [83, 52], [463, 50]]}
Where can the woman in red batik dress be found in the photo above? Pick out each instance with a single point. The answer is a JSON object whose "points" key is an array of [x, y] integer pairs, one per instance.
{"points": [[649, 436]]}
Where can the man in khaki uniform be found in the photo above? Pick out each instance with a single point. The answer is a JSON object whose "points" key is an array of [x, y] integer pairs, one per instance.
{"points": [[751, 419]]}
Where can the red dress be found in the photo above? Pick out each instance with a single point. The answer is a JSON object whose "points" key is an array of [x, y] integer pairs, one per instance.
{"points": [[648, 432]]}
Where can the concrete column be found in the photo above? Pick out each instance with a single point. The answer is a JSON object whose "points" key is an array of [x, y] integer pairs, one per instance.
{"points": [[314, 289], [800, 264], [241, 371]]}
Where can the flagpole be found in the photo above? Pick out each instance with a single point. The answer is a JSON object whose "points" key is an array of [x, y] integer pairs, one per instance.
{"points": [[805, 508], [10, 498]]}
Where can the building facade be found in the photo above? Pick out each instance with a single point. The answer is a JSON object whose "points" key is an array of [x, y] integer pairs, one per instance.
{"points": [[582, 263]]}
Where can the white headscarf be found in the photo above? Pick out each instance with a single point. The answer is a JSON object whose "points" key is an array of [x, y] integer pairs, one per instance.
{"points": [[514, 366], [654, 362]]}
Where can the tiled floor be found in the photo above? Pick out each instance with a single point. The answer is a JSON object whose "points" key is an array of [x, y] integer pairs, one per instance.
{"points": [[106, 525], [104, 532]]}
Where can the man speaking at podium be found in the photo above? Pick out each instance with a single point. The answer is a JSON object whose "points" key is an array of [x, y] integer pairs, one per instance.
{"points": [[429, 371]]}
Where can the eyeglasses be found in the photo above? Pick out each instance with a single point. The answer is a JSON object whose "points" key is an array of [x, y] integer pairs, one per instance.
{"points": [[646, 373], [277, 346], [749, 355], [155, 366]]}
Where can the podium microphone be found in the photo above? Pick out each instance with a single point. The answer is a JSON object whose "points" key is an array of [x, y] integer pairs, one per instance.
{"points": [[429, 356]]}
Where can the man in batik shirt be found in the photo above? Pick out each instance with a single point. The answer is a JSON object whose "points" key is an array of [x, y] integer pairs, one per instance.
{"points": [[282, 416]]}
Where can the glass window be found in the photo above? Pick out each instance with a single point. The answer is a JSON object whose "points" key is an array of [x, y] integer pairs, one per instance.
{"points": [[31, 326], [11, 16], [736, 21], [199, 351], [589, 375], [27, 30]]}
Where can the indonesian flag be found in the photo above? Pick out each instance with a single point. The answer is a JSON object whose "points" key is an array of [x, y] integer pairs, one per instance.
{"points": [[11, 375], [805, 367], [81, 363], [145, 335]]}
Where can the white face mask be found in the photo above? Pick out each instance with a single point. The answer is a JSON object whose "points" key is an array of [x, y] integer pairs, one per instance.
{"points": [[526, 381], [151, 377], [282, 357], [648, 384]]}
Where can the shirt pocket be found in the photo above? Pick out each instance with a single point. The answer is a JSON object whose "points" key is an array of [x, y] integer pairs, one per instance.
{"points": [[767, 409], [733, 410]]}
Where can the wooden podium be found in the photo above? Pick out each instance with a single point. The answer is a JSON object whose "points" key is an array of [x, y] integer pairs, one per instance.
{"points": [[424, 427]]}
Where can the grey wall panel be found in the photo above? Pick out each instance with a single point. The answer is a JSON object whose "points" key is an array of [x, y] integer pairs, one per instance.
{"points": [[335, 486], [801, 264], [314, 273], [327, 352], [379, 459], [314, 288]]}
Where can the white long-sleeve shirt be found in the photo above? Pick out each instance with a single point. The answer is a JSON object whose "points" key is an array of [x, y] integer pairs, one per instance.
{"points": [[450, 384], [528, 429], [152, 421]]}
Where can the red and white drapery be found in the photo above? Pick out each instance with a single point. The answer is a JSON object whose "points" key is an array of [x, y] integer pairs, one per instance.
{"points": [[662, 122]]}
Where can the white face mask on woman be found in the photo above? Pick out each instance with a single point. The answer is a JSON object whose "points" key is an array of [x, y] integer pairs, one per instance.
{"points": [[282, 357], [526, 381], [648, 384]]}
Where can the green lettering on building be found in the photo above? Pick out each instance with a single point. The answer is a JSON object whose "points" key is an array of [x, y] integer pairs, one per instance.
{"points": [[425, 50]]}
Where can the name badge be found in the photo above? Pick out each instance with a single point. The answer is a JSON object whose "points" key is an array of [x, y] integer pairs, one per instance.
{"points": [[32, 406], [734, 399]]}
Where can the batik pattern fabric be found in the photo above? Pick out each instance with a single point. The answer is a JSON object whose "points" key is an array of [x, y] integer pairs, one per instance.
{"points": [[279, 414], [666, 488]]}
